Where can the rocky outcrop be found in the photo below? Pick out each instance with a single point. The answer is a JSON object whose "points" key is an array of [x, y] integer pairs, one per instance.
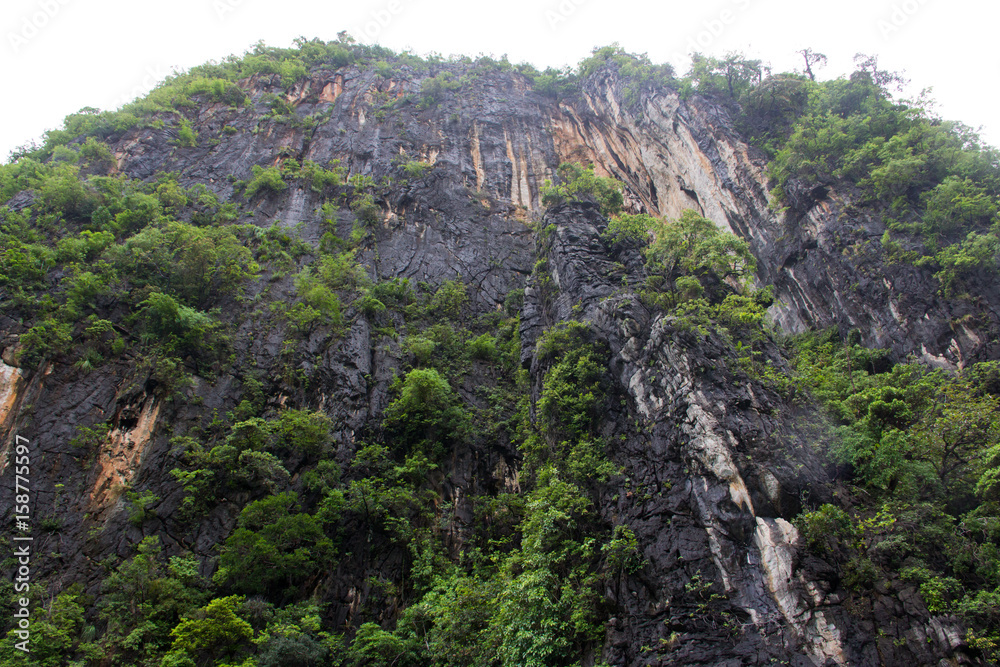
{"points": [[714, 462], [714, 467], [822, 254]]}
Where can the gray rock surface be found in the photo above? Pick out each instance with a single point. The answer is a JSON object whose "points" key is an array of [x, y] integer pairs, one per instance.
{"points": [[715, 464]]}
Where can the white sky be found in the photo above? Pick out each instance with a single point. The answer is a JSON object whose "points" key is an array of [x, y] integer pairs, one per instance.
{"points": [[60, 55]]}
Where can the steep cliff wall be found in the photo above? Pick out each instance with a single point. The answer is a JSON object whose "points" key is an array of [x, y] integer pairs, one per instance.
{"points": [[714, 463]]}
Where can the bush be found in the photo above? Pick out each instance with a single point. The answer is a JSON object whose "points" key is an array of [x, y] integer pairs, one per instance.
{"points": [[957, 204], [304, 432], [977, 256], [216, 629], [434, 89], [63, 192], [369, 305], [366, 209], [186, 137], [694, 246], [576, 182], [416, 169], [484, 347], [46, 338], [627, 228], [176, 326], [548, 603], [269, 179], [97, 155], [141, 504], [319, 304], [196, 263], [825, 528], [272, 548], [449, 298], [426, 412], [421, 348], [85, 247]]}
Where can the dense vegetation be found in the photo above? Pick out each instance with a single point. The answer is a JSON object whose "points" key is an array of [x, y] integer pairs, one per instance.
{"points": [[96, 268], [923, 453]]}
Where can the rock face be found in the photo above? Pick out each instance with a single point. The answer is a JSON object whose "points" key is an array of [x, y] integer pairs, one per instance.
{"points": [[714, 466], [712, 482]]}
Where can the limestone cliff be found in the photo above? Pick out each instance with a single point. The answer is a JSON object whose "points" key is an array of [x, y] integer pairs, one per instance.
{"points": [[714, 464]]}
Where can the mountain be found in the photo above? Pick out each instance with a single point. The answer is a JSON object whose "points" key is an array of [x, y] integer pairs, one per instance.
{"points": [[332, 355]]}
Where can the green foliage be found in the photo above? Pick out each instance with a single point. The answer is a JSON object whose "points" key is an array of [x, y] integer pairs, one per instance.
{"points": [[909, 432], [956, 204], [294, 637], [571, 399], [621, 552], [178, 327], [932, 178], [434, 89], [269, 179], [318, 286], [369, 305], [823, 528], [321, 179], [55, 633], [24, 260], [141, 504], [48, 337], [733, 75], [771, 109], [638, 75], [540, 607], [421, 348], [202, 264], [426, 413], [366, 209], [576, 182], [922, 446], [693, 245], [415, 169], [483, 347], [89, 437], [319, 304], [449, 298], [547, 606], [216, 629], [144, 598], [975, 257], [273, 549], [84, 247], [395, 293], [62, 191], [627, 228], [97, 155], [303, 432], [393, 498], [186, 137]]}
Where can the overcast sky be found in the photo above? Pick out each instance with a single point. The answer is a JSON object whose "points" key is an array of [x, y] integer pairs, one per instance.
{"points": [[58, 56]]}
